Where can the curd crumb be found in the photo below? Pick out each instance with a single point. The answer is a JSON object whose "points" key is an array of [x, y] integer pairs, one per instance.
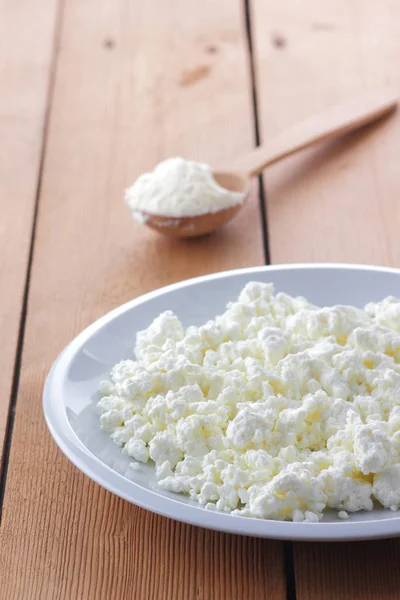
{"points": [[342, 514]]}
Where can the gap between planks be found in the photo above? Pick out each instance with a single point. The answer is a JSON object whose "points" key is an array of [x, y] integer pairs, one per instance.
{"points": [[254, 101], [24, 309], [263, 199]]}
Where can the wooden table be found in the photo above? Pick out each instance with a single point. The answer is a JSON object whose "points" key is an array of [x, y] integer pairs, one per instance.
{"points": [[92, 93]]}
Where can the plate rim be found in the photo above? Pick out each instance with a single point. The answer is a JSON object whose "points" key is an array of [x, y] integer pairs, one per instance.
{"points": [[69, 443]]}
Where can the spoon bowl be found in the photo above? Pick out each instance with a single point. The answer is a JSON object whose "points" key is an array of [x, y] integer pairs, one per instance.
{"points": [[198, 225], [337, 120]]}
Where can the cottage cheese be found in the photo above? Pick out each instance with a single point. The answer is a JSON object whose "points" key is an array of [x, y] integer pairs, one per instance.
{"points": [[179, 188], [276, 409]]}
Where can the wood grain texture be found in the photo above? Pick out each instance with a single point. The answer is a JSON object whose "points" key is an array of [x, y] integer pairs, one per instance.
{"points": [[26, 34], [135, 82], [337, 203], [355, 570]]}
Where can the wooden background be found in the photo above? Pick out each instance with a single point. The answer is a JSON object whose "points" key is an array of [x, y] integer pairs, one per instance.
{"points": [[92, 93]]}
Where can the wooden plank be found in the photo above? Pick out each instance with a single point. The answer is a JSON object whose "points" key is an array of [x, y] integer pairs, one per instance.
{"points": [[26, 33], [135, 82], [319, 61], [336, 203], [357, 570]]}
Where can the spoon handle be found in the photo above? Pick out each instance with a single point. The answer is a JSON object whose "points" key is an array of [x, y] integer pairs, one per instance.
{"points": [[334, 121]]}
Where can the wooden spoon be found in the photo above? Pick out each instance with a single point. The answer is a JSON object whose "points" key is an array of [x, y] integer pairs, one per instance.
{"points": [[328, 124]]}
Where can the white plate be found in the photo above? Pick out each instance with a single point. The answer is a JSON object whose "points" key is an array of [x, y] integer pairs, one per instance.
{"points": [[71, 390]]}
